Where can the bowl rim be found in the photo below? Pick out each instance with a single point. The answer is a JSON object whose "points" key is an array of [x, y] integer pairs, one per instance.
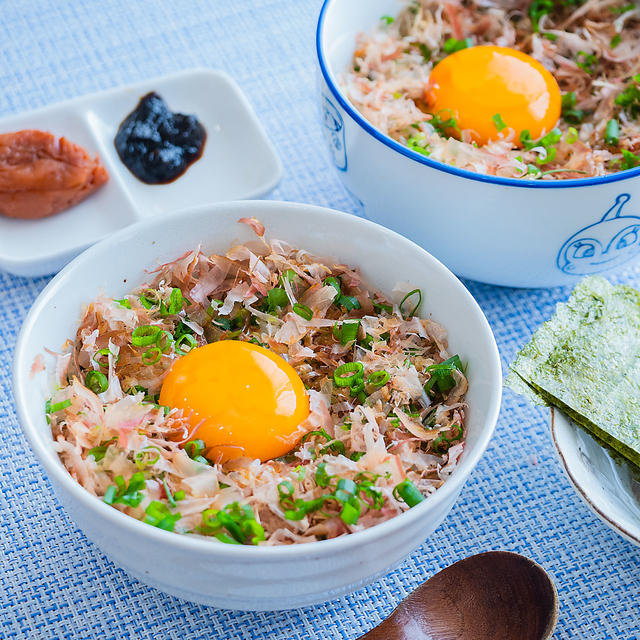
{"points": [[434, 164], [556, 416], [56, 470]]}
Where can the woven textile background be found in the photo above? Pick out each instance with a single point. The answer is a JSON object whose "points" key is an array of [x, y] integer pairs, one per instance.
{"points": [[53, 582]]}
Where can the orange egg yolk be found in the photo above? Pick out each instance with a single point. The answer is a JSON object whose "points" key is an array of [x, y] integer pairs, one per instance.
{"points": [[247, 400], [484, 87]]}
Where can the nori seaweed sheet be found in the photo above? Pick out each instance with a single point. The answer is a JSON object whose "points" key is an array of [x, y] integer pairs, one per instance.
{"points": [[586, 361]]}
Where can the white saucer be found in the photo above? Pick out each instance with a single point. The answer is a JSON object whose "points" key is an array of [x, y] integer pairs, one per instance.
{"points": [[238, 162], [609, 488]]}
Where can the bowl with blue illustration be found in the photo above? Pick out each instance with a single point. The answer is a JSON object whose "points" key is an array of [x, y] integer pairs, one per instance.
{"points": [[505, 231]]}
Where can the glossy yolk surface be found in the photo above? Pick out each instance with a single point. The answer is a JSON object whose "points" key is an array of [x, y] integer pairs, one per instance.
{"points": [[477, 83], [249, 400]]}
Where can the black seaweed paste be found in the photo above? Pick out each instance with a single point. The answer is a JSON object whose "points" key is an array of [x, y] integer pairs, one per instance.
{"points": [[157, 145]]}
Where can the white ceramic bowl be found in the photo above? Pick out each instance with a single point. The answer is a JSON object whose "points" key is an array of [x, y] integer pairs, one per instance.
{"points": [[499, 230], [242, 577], [610, 488]]}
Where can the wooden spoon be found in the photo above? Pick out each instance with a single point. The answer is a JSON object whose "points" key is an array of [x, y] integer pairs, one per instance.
{"points": [[490, 596]]}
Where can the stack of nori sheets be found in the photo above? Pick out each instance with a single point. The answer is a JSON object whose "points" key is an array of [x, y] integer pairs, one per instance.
{"points": [[586, 361]]}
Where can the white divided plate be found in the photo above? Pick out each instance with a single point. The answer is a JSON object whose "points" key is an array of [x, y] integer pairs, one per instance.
{"points": [[611, 489], [238, 162]]}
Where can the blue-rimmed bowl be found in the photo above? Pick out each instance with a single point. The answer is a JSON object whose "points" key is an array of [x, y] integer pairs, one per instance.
{"points": [[505, 231]]}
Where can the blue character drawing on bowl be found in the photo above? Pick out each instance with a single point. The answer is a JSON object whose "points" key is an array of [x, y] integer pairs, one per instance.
{"points": [[608, 243], [334, 132]]}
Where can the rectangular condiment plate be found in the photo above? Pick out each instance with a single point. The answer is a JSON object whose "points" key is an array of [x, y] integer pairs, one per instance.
{"points": [[238, 162]]}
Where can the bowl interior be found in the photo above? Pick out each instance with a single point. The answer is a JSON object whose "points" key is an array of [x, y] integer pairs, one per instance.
{"points": [[343, 21], [610, 487], [119, 264]]}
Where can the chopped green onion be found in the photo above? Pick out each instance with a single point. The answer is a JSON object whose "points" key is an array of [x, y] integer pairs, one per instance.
{"points": [[289, 275], [408, 492], [387, 19], [498, 121], [571, 136], [176, 301], [615, 41], [347, 332], [346, 374], [335, 283], [159, 515], [110, 494], [569, 112], [151, 356], [164, 341], [145, 335], [303, 311], [415, 308], [378, 378], [123, 302], [276, 298], [336, 446], [629, 99], [235, 524], [179, 495], [59, 406], [628, 7], [126, 494], [188, 340], [147, 457], [96, 381], [538, 9], [348, 302], [356, 455], [378, 306], [550, 36], [201, 460], [441, 375], [586, 61], [443, 123], [168, 493], [419, 144], [612, 132], [103, 353], [629, 160], [323, 479], [194, 448], [425, 51], [222, 323], [100, 451], [451, 45], [441, 444]]}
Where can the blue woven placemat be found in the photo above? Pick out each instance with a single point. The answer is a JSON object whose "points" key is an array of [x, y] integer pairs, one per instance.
{"points": [[53, 582]]}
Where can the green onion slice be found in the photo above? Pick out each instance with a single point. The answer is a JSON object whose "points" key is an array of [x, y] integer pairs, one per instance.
{"points": [[147, 457], [378, 378], [415, 292], [346, 374], [145, 335], [303, 311], [176, 301], [96, 381], [59, 406], [195, 448], [103, 353], [612, 132], [335, 283], [164, 340], [188, 340], [347, 332], [408, 492], [151, 356]]}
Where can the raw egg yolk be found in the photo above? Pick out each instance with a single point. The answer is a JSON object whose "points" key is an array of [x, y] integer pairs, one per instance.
{"points": [[487, 87], [247, 400]]}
